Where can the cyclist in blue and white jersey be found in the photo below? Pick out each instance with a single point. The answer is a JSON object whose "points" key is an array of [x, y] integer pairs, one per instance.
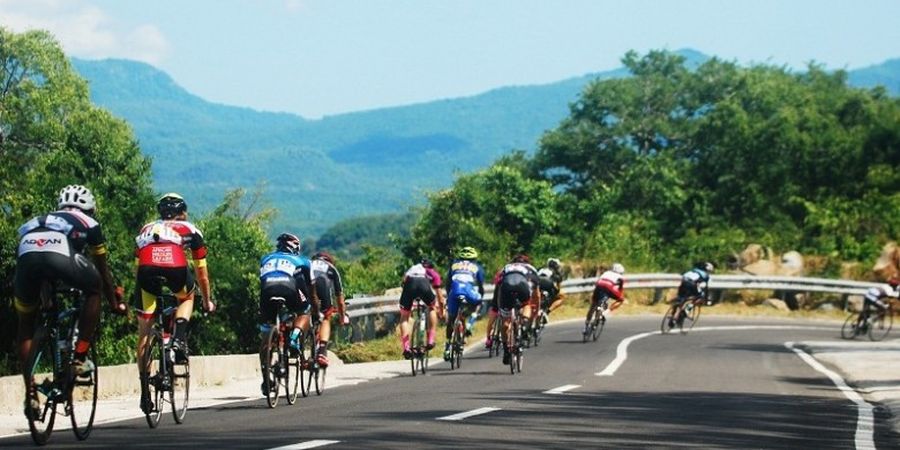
{"points": [[466, 280]]}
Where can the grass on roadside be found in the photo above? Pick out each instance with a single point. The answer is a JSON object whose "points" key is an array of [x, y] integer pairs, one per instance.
{"points": [[387, 348]]}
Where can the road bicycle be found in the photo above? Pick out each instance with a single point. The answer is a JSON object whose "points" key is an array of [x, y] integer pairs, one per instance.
{"points": [[877, 325], [458, 336], [280, 363], [165, 378], [540, 320], [496, 340], [515, 341], [51, 376], [312, 374], [596, 319], [418, 338], [683, 315]]}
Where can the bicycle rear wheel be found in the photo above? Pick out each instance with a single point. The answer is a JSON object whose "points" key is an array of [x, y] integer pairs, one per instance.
{"points": [[668, 321], [849, 329], [515, 363], [82, 401], [454, 339], [588, 324], [292, 376], [494, 349], [319, 377], [597, 325], [416, 343], [180, 389], [271, 362], [151, 381], [881, 325], [42, 391]]}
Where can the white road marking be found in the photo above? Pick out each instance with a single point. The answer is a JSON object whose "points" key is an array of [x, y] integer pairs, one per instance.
{"points": [[563, 389], [622, 348], [307, 444], [474, 412], [865, 422]]}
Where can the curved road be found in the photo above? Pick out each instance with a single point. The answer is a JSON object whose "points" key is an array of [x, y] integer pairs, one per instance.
{"points": [[728, 384]]}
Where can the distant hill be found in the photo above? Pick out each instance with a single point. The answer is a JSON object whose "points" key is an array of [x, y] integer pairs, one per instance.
{"points": [[319, 172]]}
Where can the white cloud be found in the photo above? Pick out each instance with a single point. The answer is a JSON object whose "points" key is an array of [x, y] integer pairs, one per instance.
{"points": [[85, 30], [293, 6]]}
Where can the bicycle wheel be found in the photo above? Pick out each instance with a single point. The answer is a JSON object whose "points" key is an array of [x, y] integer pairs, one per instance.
{"points": [[668, 321], [691, 318], [151, 380], [319, 376], [82, 401], [292, 376], [849, 329], [588, 324], [416, 344], [423, 361], [881, 325], [42, 390], [271, 360], [454, 338], [180, 389], [306, 370], [518, 350], [494, 349], [597, 326]]}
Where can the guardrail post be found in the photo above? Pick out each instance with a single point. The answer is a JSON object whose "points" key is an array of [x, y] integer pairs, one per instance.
{"points": [[657, 296]]}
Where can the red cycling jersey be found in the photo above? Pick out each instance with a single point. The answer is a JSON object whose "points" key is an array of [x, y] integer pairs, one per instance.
{"points": [[162, 243]]}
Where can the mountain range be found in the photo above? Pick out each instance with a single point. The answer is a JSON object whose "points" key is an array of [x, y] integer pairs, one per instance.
{"points": [[319, 172]]}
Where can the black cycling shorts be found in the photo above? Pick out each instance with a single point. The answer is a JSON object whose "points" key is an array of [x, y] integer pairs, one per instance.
{"points": [[687, 290], [34, 267], [285, 288], [416, 288], [515, 291], [547, 285], [325, 293]]}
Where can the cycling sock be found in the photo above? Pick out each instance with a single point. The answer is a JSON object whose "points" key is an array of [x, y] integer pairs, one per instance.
{"points": [[405, 341], [295, 334], [431, 334], [180, 328]]}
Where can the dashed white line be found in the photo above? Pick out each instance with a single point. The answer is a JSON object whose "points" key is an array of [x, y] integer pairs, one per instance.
{"points": [[865, 421], [474, 412], [562, 389], [307, 444]]}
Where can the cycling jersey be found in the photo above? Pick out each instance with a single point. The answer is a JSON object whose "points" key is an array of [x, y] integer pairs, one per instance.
{"points": [[162, 261], [550, 282], [52, 247], [419, 282], [517, 281], [326, 279], [467, 281], [694, 283], [612, 283], [283, 275]]}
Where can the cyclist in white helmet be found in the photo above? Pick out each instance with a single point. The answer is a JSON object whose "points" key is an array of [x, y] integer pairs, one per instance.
{"points": [[611, 284]]}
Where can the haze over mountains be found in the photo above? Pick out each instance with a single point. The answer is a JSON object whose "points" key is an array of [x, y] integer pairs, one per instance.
{"points": [[318, 172]]}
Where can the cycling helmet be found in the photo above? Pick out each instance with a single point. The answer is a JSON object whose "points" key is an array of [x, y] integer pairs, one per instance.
{"points": [[706, 266], [425, 262], [894, 282], [170, 205], [467, 253], [288, 243], [522, 258], [618, 268], [553, 263], [76, 196], [324, 256]]}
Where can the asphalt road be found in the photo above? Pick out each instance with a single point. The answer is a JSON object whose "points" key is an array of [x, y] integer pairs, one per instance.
{"points": [[712, 388]]}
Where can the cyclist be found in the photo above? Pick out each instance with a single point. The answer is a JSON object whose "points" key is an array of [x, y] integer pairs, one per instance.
{"points": [[160, 253], [610, 284], [493, 308], [874, 296], [284, 273], [421, 281], [551, 283], [466, 280], [517, 288], [694, 285], [52, 247], [327, 284]]}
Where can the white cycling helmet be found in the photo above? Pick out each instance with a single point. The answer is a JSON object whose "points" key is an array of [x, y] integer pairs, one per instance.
{"points": [[618, 268], [77, 196]]}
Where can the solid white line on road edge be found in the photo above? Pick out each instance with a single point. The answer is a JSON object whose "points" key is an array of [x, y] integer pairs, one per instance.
{"points": [[474, 412], [622, 348], [865, 422], [562, 389], [307, 444]]}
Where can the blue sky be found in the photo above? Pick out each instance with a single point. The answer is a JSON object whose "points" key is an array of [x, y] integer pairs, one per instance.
{"points": [[322, 57]]}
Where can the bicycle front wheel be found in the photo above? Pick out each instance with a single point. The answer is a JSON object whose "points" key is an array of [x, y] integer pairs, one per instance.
{"points": [[849, 329], [151, 379], [82, 401], [271, 361], [693, 317], [668, 321], [881, 325], [42, 391], [180, 389]]}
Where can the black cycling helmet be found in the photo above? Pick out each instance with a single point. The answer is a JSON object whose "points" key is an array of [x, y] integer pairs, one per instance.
{"points": [[170, 205], [288, 243], [706, 266], [324, 256], [522, 258], [426, 262]]}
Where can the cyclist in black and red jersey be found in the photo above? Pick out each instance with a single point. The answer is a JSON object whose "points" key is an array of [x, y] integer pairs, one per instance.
{"points": [[327, 288], [52, 247], [517, 289], [160, 252], [421, 281]]}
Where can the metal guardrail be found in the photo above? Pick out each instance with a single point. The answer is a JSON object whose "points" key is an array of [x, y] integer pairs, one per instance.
{"points": [[382, 304]]}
